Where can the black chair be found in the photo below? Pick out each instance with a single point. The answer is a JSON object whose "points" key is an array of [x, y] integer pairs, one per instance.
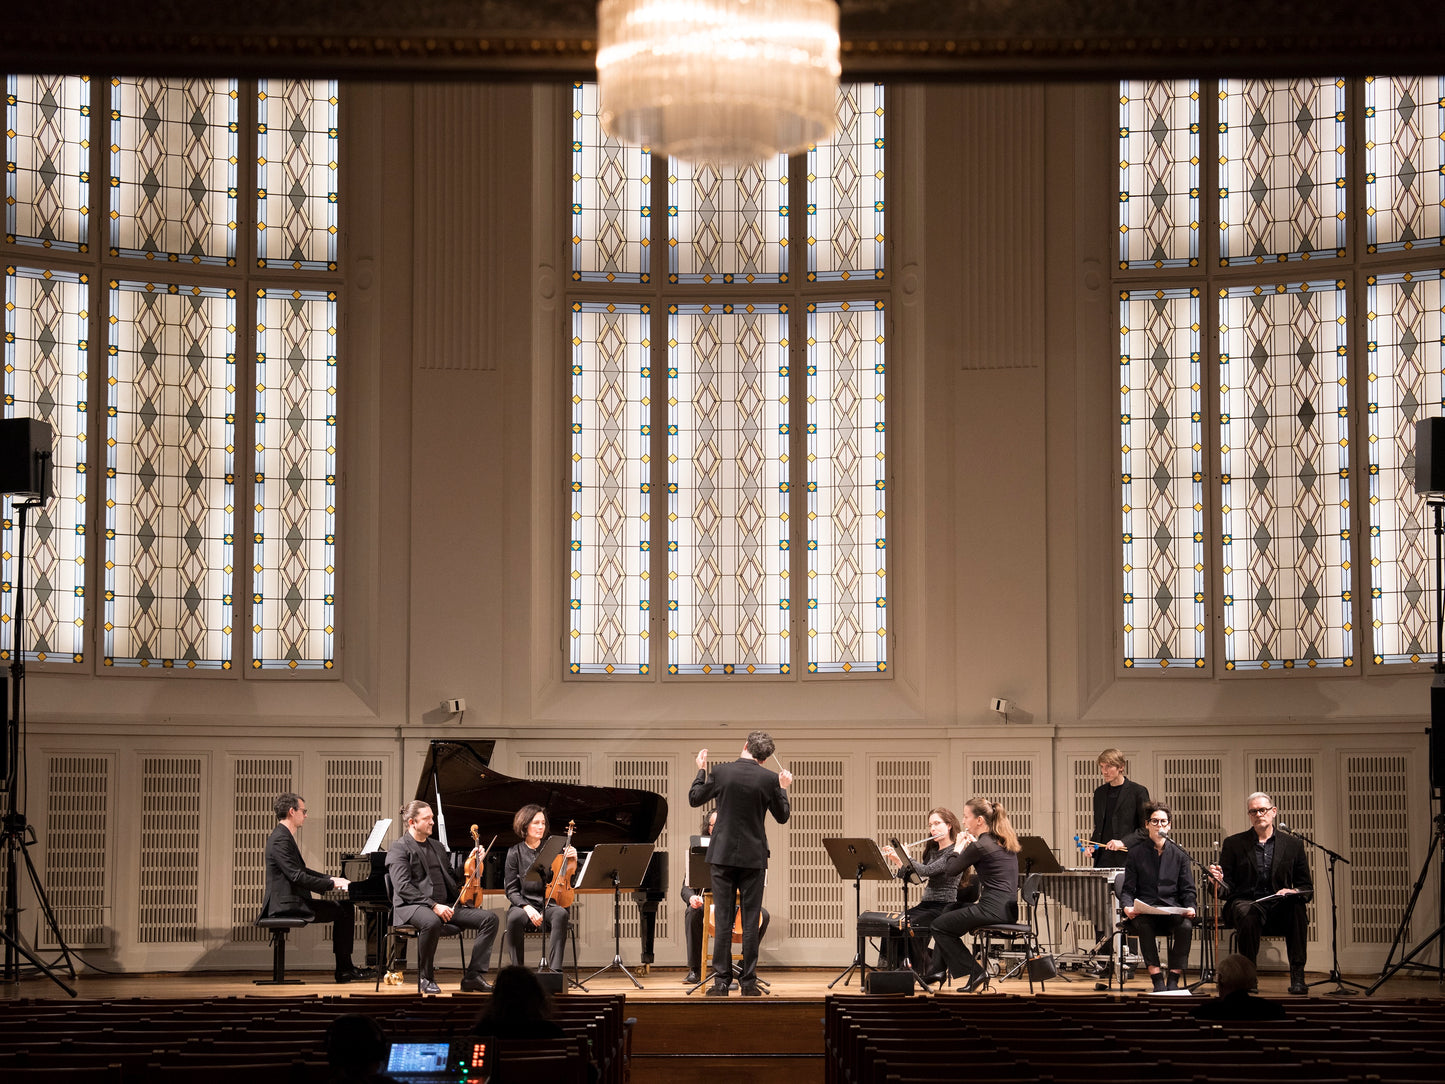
{"points": [[279, 928], [398, 934], [1014, 934]]}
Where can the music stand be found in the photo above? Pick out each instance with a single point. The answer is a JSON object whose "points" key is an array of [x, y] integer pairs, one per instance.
{"points": [[1036, 856], [908, 873], [538, 874], [624, 865], [857, 860]]}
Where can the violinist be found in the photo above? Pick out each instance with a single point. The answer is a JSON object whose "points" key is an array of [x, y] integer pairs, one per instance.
{"points": [[530, 906], [939, 894], [696, 913], [423, 889]]}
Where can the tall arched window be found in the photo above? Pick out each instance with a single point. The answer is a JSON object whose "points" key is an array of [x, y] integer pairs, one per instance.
{"points": [[172, 309], [728, 393], [1280, 291]]}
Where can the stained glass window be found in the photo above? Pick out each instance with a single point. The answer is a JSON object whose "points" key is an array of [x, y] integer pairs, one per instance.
{"points": [[1404, 162], [747, 533], [1281, 169], [1159, 173], [294, 592], [47, 329], [170, 476], [47, 161], [189, 541], [1244, 539], [296, 174], [173, 169]]}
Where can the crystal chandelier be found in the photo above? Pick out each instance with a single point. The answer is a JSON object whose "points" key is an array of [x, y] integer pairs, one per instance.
{"points": [[725, 81]]}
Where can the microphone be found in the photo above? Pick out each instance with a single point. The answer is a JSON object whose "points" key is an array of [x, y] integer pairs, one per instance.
{"points": [[1284, 827]]}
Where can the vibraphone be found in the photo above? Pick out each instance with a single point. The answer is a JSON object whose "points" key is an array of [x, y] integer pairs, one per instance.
{"points": [[1080, 900]]}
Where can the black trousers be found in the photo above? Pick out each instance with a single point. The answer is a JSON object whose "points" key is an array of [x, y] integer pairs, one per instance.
{"points": [[949, 928], [342, 916], [1149, 927], [734, 887], [694, 930], [555, 920], [429, 931], [1287, 915]]}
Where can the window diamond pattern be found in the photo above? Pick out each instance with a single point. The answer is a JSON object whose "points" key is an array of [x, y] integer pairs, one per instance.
{"points": [[1162, 485], [611, 201], [1404, 162], [609, 569], [1284, 429], [46, 360], [847, 537], [845, 191], [170, 476], [728, 225], [1281, 170], [1405, 329], [296, 174], [293, 592], [1159, 173], [173, 177], [47, 161], [727, 489]]}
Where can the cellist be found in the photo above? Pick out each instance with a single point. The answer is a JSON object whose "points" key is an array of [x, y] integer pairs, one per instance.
{"points": [[530, 906]]}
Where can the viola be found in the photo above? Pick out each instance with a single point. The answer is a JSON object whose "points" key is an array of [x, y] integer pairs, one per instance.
{"points": [[471, 894], [559, 889]]}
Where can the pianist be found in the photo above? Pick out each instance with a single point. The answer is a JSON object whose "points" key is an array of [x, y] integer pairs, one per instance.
{"points": [[289, 885], [422, 890], [696, 913]]}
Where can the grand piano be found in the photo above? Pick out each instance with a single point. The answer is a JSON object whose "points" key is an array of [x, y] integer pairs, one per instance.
{"points": [[462, 789]]}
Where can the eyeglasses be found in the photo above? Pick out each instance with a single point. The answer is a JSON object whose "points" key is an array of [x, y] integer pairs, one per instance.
{"points": [[1157, 820], [1261, 811]]}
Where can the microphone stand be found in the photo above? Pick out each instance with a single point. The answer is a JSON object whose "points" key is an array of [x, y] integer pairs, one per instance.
{"points": [[1334, 975], [1206, 948]]}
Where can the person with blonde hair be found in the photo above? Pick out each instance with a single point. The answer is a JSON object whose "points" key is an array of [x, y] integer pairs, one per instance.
{"points": [[990, 846]]}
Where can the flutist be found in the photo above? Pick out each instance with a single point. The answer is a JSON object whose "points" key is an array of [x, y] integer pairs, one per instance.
{"points": [[939, 893]]}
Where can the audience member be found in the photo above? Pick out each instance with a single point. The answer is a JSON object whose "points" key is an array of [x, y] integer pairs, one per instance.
{"points": [[519, 1009], [356, 1050], [1236, 978]]}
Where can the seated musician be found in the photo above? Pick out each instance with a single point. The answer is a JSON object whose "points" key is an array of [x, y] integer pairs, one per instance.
{"points": [[289, 885], [1157, 872], [1265, 878], [696, 913], [990, 846], [939, 894], [530, 907], [423, 890]]}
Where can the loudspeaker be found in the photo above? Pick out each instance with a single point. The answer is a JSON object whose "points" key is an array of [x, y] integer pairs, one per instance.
{"points": [[25, 458], [889, 982], [1436, 730], [1430, 455], [554, 982]]}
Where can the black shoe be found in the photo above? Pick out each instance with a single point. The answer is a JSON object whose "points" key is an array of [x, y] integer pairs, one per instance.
{"points": [[426, 986], [934, 978], [1158, 980], [751, 991], [475, 984], [355, 974], [690, 979], [718, 989], [1176, 980], [976, 982], [1297, 981]]}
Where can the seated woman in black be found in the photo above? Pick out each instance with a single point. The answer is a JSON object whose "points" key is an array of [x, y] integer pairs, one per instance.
{"points": [[990, 846], [520, 1009], [939, 893], [528, 897]]}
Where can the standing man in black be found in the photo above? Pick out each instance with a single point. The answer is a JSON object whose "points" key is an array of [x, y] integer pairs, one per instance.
{"points": [[1119, 823], [1265, 879], [289, 885], [422, 886], [695, 916], [738, 853]]}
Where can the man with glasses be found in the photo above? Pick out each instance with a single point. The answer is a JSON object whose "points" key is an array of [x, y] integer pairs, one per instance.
{"points": [[1157, 873], [1265, 880]]}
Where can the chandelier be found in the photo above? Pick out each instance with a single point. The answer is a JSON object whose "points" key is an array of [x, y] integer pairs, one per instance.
{"points": [[724, 81]]}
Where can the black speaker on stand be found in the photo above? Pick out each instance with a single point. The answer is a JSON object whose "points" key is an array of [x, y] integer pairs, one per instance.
{"points": [[26, 478]]}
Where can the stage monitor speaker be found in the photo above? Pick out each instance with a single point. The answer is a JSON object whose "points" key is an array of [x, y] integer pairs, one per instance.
{"points": [[1436, 732], [554, 982], [25, 445], [889, 982], [1430, 455]]}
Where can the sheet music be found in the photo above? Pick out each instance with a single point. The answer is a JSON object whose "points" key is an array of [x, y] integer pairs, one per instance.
{"points": [[1142, 908], [378, 833]]}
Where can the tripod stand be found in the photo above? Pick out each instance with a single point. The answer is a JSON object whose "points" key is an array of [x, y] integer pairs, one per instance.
{"points": [[1334, 975], [1389, 970], [15, 827]]}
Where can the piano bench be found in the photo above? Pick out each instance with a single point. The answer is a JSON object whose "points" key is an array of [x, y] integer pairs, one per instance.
{"points": [[279, 927]]}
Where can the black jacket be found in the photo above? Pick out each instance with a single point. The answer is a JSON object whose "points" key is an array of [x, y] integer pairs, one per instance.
{"points": [[410, 880], [1128, 820], [289, 883], [746, 792], [1290, 868]]}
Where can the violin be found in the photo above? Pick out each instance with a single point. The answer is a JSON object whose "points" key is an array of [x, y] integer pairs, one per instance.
{"points": [[559, 889], [471, 894]]}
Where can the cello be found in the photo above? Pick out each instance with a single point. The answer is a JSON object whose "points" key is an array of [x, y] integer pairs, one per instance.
{"points": [[559, 889]]}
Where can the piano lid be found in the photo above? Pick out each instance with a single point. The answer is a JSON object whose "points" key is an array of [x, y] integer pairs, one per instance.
{"points": [[470, 793]]}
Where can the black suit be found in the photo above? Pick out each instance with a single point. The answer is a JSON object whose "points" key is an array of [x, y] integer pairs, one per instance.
{"points": [[412, 898], [289, 885], [738, 854], [1125, 822], [1285, 915]]}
